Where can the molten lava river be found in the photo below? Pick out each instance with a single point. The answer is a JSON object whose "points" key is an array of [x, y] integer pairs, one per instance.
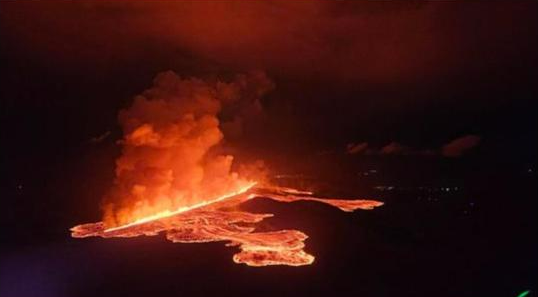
{"points": [[214, 221]]}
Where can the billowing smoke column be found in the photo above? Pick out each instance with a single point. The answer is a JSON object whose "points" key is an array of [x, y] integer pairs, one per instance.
{"points": [[170, 131]]}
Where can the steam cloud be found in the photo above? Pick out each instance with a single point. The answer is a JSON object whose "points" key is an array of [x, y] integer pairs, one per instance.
{"points": [[170, 132]]}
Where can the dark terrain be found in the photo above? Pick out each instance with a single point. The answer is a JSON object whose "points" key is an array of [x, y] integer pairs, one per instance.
{"points": [[448, 228]]}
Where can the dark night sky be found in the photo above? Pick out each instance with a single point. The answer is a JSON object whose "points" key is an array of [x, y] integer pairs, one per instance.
{"points": [[416, 73]]}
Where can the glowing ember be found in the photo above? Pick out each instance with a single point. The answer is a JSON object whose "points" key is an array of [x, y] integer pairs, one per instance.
{"points": [[209, 221]]}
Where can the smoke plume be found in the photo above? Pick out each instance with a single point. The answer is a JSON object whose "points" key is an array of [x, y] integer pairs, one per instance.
{"points": [[170, 133]]}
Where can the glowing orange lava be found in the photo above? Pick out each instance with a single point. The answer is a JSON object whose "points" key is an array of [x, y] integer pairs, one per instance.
{"points": [[211, 221]]}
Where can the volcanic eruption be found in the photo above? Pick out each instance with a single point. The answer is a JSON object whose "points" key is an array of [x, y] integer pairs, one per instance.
{"points": [[171, 177]]}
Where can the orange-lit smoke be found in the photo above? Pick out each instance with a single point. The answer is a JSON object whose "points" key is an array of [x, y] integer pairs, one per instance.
{"points": [[168, 159]]}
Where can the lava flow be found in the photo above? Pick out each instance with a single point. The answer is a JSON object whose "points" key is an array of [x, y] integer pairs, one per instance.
{"points": [[213, 221]]}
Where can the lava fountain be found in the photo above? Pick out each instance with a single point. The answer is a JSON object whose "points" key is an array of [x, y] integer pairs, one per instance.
{"points": [[170, 177]]}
